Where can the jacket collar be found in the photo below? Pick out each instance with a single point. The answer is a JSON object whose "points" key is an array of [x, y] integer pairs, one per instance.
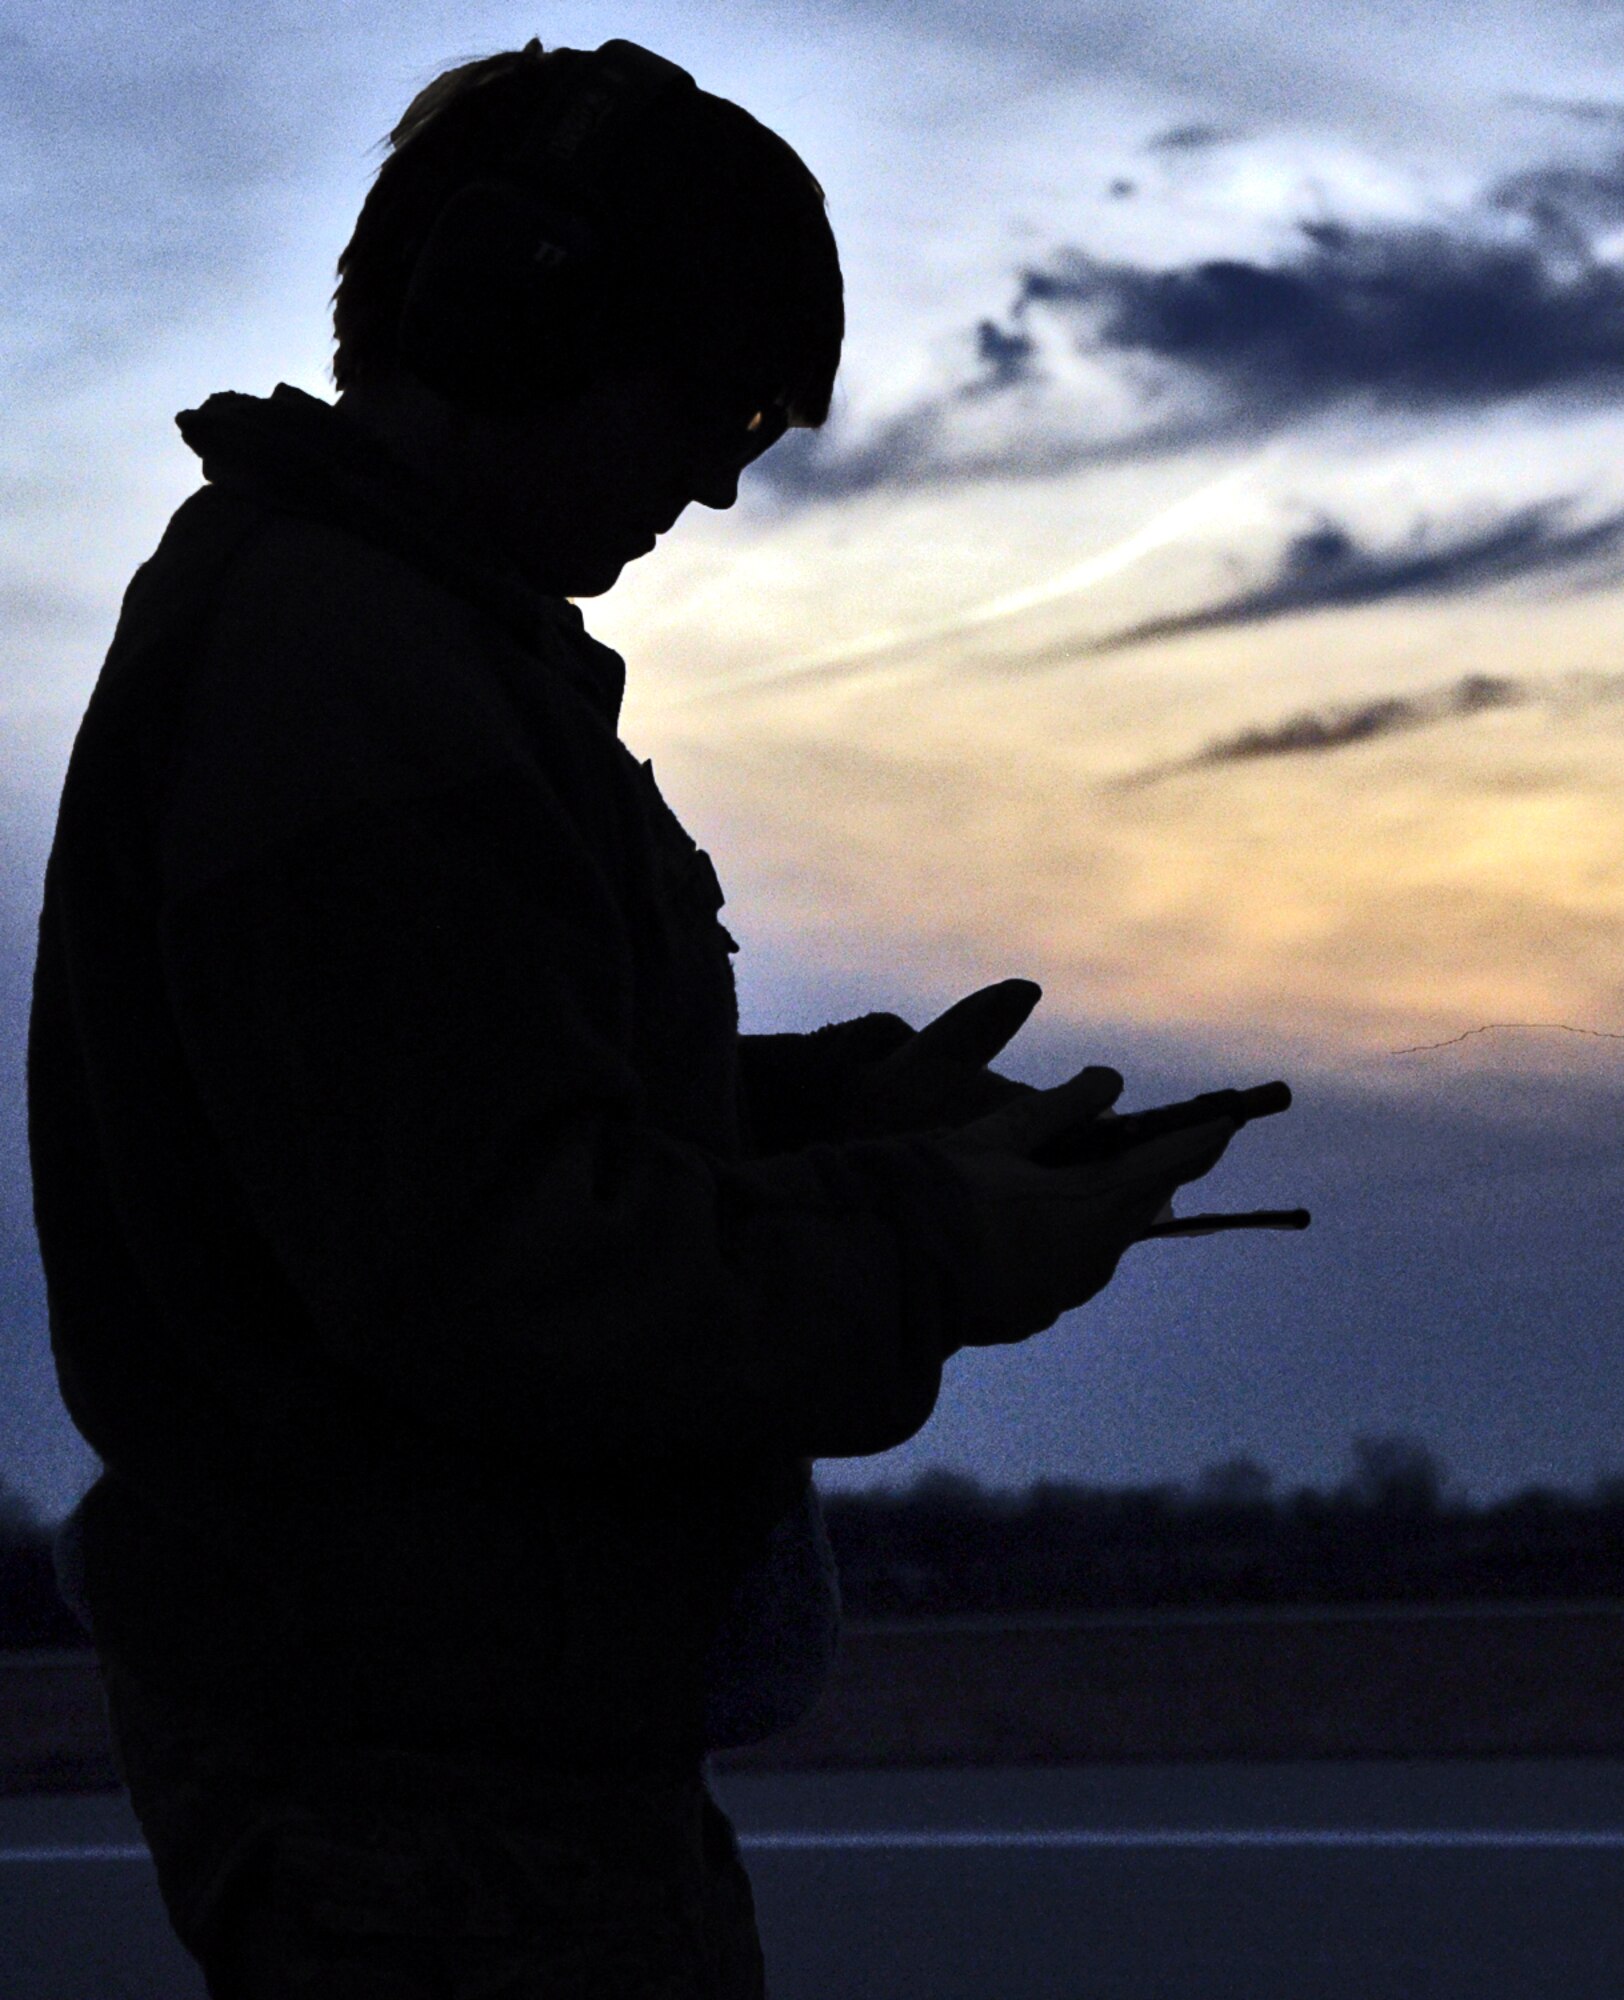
{"points": [[299, 455]]}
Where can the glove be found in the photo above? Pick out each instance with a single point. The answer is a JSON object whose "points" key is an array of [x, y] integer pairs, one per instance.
{"points": [[939, 1077]]}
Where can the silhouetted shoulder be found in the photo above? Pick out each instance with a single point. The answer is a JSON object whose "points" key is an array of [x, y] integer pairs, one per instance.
{"points": [[331, 671]]}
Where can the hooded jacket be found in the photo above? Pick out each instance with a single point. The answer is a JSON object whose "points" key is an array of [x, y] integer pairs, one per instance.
{"points": [[453, 1296]]}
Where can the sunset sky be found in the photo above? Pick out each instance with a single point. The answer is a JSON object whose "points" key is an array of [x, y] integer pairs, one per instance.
{"points": [[1204, 600]]}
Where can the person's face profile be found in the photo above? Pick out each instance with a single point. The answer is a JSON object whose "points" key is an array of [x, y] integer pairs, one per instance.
{"points": [[619, 466]]}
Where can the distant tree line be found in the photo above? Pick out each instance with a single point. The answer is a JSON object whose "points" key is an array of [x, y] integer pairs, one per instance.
{"points": [[1391, 1532]]}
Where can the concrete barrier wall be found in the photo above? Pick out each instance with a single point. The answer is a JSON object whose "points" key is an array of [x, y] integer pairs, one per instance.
{"points": [[1470, 1681], [1501, 1681]]}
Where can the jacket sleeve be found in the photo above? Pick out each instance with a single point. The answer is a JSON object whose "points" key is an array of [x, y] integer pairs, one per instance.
{"points": [[793, 1085], [774, 1650], [797, 1089], [408, 1029]]}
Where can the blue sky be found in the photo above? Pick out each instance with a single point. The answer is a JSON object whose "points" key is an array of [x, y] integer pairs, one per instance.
{"points": [[1203, 600]]}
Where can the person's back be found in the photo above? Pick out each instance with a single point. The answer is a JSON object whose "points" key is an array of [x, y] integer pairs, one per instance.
{"points": [[456, 1300]]}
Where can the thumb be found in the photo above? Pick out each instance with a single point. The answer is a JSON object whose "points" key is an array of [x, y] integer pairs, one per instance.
{"points": [[974, 1029], [967, 1036]]}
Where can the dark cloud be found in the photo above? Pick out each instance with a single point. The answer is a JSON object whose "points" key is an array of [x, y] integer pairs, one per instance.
{"points": [[1507, 299], [1326, 568], [1592, 110], [1188, 139], [1007, 357], [924, 447], [1319, 730], [1414, 316], [810, 465], [1566, 205]]}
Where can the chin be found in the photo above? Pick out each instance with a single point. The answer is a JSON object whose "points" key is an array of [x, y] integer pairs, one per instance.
{"points": [[592, 579], [578, 579]]}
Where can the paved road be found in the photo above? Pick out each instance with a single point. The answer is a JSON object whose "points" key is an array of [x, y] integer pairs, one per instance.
{"points": [[1375, 1881]]}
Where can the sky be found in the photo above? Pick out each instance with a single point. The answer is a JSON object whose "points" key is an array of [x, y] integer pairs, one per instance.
{"points": [[1202, 601]]}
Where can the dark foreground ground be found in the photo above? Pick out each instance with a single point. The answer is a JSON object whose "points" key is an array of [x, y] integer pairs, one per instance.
{"points": [[1459, 1880], [1414, 1804], [1273, 1685]]}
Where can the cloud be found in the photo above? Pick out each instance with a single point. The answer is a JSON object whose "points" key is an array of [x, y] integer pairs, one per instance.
{"points": [[1318, 730], [1590, 110], [1507, 298], [1567, 205], [822, 465], [1188, 139], [1415, 316], [1007, 357], [930, 445], [1325, 568]]}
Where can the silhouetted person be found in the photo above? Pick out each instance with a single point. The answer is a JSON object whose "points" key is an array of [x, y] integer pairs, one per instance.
{"points": [[455, 1299]]}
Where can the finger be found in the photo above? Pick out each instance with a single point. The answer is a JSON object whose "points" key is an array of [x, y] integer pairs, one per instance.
{"points": [[932, 1067], [1175, 1158], [1028, 1121], [974, 1029]]}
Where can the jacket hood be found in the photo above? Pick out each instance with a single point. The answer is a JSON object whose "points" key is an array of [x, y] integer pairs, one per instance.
{"points": [[296, 454]]}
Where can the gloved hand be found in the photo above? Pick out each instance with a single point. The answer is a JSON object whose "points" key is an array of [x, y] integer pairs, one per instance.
{"points": [[1053, 1236], [939, 1078]]}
